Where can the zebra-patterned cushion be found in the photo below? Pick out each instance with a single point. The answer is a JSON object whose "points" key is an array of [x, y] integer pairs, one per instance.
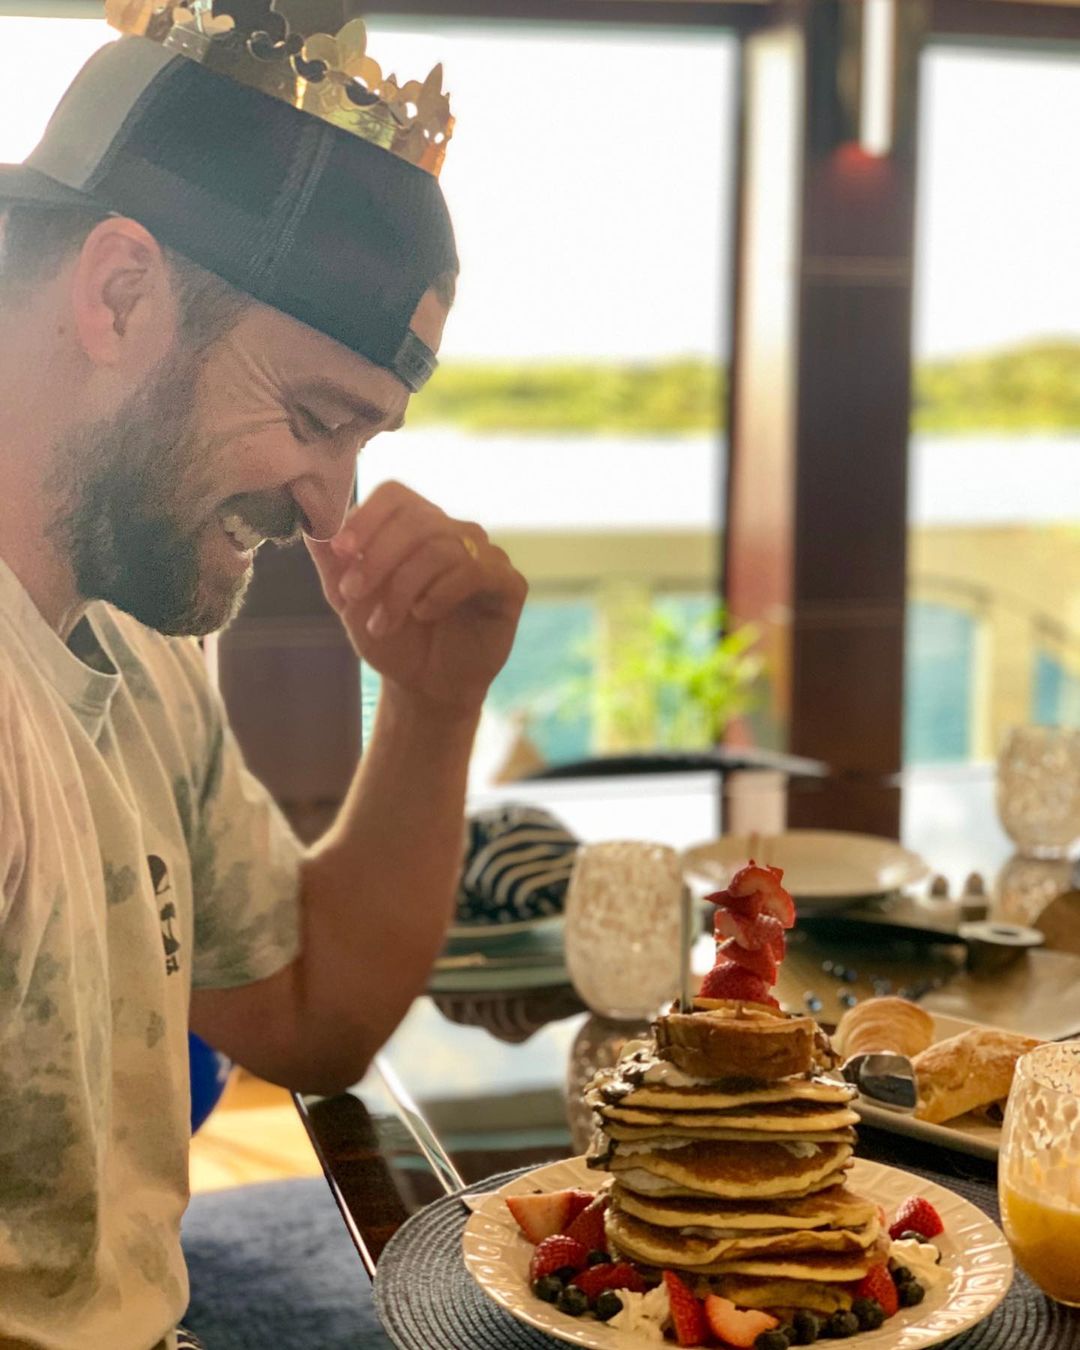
{"points": [[517, 865]]}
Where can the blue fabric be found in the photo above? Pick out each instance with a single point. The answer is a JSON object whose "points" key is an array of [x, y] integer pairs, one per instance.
{"points": [[209, 1074], [272, 1265]]}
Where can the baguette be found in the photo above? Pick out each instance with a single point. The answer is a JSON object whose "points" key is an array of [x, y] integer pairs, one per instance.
{"points": [[967, 1072]]}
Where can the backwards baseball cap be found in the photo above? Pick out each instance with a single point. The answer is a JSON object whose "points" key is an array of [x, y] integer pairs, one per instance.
{"points": [[308, 184]]}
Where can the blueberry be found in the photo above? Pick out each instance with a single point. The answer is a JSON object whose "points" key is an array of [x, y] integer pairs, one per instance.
{"points": [[901, 1275], [607, 1305], [909, 1235], [806, 1326], [910, 1294], [812, 1001], [548, 1289], [772, 1340], [573, 1301], [598, 1258], [869, 1313], [850, 976], [565, 1274], [842, 1325], [848, 999]]}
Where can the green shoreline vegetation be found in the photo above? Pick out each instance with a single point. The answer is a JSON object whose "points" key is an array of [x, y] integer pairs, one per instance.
{"points": [[1035, 387]]}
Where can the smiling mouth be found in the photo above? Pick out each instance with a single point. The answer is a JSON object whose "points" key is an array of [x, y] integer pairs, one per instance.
{"points": [[245, 538]]}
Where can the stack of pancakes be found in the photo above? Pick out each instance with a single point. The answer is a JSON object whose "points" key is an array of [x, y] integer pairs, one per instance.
{"points": [[728, 1142]]}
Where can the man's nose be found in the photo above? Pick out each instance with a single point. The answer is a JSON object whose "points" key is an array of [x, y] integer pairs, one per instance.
{"points": [[325, 497]]}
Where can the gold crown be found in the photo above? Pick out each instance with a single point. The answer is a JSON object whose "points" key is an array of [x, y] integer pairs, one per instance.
{"points": [[330, 76]]}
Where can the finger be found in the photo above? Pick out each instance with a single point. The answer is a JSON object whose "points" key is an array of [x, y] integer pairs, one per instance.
{"points": [[401, 535], [436, 558], [493, 581], [365, 520]]}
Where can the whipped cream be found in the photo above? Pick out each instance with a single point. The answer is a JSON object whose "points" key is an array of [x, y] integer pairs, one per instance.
{"points": [[640, 1180], [644, 1315], [625, 1150], [921, 1258], [668, 1075], [800, 1148]]}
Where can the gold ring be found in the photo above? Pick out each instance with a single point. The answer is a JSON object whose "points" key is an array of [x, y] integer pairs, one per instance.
{"points": [[472, 548]]}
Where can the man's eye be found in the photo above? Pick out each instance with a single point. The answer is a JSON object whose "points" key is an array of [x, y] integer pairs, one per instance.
{"points": [[311, 426]]}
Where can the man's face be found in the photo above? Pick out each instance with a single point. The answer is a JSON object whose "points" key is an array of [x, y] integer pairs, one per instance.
{"points": [[254, 438]]}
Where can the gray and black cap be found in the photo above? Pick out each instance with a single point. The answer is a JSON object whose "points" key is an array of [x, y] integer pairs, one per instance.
{"points": [[296, 212]]}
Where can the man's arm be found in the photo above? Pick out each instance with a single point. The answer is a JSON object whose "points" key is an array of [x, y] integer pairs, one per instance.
{"points": [[377, 891]]}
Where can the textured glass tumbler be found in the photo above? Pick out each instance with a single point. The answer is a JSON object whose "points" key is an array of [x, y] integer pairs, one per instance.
{"points": [[1038, 789], [623, 930], [1039, 1171]]}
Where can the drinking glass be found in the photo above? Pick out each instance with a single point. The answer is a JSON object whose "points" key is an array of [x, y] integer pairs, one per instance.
{"points": [[1038, 789], [1039, 1171], [623, 927]]}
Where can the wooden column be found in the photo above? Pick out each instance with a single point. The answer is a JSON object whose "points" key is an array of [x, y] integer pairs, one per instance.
{"points": [[291, 681], [817, 533]]}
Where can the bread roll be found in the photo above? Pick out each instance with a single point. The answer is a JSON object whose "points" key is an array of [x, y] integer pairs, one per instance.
{"points": [[967, 1072], [884, 1024]]}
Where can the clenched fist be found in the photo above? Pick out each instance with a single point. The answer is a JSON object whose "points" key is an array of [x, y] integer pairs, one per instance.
{"points": [[427, 600]]}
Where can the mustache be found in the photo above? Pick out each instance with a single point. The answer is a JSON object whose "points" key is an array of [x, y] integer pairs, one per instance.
{"points": [[276, 518]]}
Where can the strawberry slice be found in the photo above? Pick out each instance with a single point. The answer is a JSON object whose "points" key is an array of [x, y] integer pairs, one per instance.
{"points": [[687, 1312], [753, 934], [761, 963], [734, 1326], [615, 1275], [878, 1283], [556, 1253], [757, 890], [727, 980], [916, 1215], [588, 1227], [544, 1214]]}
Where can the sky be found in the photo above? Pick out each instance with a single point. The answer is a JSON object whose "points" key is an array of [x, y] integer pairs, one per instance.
{"points": [[589, 179]]}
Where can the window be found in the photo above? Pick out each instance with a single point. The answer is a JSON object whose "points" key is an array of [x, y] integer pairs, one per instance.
{"points": [[578, 411], [994, 508]]}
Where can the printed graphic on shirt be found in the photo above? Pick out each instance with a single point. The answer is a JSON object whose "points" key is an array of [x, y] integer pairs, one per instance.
{"points": [[159, 876]]}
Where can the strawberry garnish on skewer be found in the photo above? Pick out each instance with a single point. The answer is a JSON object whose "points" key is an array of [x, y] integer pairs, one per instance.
{"points": [[752, 914]]}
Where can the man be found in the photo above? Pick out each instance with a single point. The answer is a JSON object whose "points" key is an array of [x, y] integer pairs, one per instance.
{"points": [[211, 299]]}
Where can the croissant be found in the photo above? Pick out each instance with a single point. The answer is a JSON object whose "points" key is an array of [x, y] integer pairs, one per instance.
{"points": [[884, 1024]]}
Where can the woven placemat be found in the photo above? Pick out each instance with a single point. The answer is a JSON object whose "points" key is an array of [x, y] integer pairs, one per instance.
{"points": [[427, 1300]]}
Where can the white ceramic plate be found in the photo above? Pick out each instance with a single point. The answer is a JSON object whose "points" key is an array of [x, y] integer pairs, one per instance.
{"points": [[966, 1134], [822, 868], [973, 1248]]}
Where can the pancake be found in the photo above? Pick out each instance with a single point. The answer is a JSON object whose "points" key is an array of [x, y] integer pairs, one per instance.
{"points": [[668, 1247], [759, 1170], [749, 1291], [837, 1207], [633, 1134], [774, 1117], [739, 1044], [826, 1267], [644, 1082]]}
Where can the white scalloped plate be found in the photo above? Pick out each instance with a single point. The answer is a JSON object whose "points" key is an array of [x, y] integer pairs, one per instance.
{"points": [[974, 1250]]}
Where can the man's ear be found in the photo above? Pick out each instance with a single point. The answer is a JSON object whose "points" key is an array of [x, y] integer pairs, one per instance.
{"points": [[122, 304]]}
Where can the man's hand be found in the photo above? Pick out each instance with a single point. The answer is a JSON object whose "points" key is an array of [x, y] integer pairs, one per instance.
{"points": [[427, 600]]}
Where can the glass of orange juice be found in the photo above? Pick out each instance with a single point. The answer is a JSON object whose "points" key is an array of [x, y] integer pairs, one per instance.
{"points": [[1039, 1172]]}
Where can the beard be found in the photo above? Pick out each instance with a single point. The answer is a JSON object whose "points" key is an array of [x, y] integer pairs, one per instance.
{"points": [[132, 527]]}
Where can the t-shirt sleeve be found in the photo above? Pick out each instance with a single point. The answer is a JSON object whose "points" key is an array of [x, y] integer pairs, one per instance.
{"points": [[245, 869]]}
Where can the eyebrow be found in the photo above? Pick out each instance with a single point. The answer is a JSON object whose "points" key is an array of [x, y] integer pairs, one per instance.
{"points": [[323, 387]]}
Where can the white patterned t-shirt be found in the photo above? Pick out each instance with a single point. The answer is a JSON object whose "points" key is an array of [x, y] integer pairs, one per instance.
{"points": [[138, 858]]}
